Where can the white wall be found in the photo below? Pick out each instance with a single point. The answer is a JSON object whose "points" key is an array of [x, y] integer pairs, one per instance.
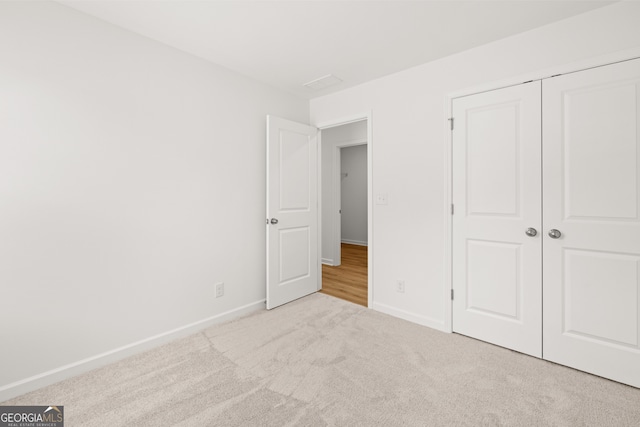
{"points": [[131, 181], [409, 144], [353, 163], [330, 139]]}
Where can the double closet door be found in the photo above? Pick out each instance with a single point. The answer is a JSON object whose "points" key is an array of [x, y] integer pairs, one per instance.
{"points": [[546, 229]]}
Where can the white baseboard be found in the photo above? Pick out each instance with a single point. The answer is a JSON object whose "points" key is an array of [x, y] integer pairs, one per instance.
{"points": [[35, 382], [411, 317], [354, 242], [327, 261]]}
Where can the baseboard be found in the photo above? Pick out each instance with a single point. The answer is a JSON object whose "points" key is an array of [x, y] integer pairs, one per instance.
{"points": [[53, 376], [411, 317], [354, 242], [327, 261]]}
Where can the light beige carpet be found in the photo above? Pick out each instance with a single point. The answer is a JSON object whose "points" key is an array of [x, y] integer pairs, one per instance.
{"points": [[322, 361]]}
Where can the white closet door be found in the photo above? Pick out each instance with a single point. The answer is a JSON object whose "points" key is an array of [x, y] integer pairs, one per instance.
{"points": [[591, 196], [496, 193]]}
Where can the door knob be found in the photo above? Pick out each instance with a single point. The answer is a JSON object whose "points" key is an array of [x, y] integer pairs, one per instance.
{"points": [[531, 232], [555, 234], [274, 220]]}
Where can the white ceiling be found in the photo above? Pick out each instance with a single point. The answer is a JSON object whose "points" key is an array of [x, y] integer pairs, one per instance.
{"points": [[289, 43]]}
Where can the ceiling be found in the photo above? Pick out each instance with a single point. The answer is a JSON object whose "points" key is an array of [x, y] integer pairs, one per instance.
{"points": [[289, 43]]}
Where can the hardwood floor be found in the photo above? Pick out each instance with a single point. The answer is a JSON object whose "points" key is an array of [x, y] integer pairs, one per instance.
{"points": [[349, 280]]}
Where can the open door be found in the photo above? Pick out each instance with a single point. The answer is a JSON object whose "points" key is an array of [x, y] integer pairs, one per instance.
{"points": [[292, 211]]}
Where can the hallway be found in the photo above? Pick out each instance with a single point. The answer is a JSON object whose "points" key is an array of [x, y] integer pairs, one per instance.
{"points": [[349, 280]]}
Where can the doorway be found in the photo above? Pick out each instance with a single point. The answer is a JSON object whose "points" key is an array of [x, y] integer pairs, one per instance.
{"points": [[345, 212]]}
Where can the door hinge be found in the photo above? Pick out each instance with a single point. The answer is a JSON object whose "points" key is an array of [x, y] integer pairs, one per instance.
{"points": [[451, 294], [451, 121], [451, 208]]}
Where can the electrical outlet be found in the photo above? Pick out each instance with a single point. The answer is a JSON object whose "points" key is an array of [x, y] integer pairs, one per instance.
{"points": [[219, 290], [381, 199], [400, 286]]}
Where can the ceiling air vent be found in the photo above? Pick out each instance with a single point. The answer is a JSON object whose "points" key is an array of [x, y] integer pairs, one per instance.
{"points": [[323, 82]]}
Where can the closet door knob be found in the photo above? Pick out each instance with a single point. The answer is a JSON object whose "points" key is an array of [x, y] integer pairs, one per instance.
{"points": [[274, 220], [555, 234], [531, 232]]}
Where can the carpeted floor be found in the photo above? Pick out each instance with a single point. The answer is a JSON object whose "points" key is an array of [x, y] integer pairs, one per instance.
{"points": [[322, 361]]}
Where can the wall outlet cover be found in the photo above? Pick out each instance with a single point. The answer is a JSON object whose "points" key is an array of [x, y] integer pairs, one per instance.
{"points": [[219, 290], [381, 199]]}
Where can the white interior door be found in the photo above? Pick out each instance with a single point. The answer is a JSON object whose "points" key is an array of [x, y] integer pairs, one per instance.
{"points": [[292, 211], [496, 194], [592, 197]]}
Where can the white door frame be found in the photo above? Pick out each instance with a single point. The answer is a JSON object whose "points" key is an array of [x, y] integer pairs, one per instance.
{"points": [[337, 197], [369, 141]]}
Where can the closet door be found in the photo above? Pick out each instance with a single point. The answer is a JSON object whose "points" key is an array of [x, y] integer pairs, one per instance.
{"points": [[496, 193], [591, 146]]}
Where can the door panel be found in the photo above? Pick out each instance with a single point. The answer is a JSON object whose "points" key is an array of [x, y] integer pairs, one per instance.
{"points": [[497, 195], [600, 177], [492, 139], [294, 171], [294, 254], [591, 187], [595, 311], [292, 193], [491, 291]]}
